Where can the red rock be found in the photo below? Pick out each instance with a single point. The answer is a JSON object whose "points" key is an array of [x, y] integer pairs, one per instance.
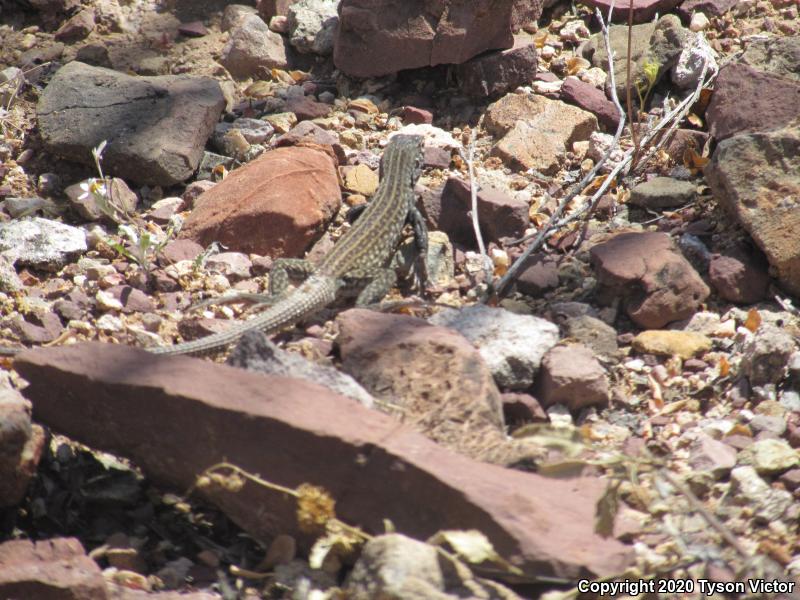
{"points": [[500, 71], [176, 416], [747, 100], [276, 205], [500, 215], [572, 375], [643, 10], [378, 37], [21, 446], [56, 569], [586, 96], [657, 285], [412, 115]]}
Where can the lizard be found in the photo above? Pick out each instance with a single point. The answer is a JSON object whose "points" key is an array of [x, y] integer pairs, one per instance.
{"points": [[358, 260]]}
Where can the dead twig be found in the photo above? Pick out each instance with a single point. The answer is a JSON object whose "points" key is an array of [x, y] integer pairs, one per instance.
{"points": [[554, 221]]}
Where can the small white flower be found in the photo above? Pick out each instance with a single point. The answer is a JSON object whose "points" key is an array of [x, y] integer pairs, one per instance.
{"points": [[129, 233], [92, 187]]}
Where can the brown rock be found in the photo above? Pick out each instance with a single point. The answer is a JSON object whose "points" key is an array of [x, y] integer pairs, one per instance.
{"points": [[761, 192], [747, 100], [539, 274], [307, 108], [378, 37], [276, 205], [683, 140], [586, 96], [519, 409], [500, 71], [572, 375], [707, 7], [178, 250], [412, 115], [499, 214], [273, 8], [20, 447], [657, 285], [452, 389], [52, 569], [739, 277], [643, 10], [76, 27], [536, 131], [543, 526]]}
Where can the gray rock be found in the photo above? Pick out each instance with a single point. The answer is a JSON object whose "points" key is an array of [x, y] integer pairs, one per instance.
{"points": [[747, 488], [256, 353], [770, 456], [396, 567], [156, 127], [312, 26], [512, 345], [233, 265], [663, 192], [766, 353], [592, 332], [41, 243]]}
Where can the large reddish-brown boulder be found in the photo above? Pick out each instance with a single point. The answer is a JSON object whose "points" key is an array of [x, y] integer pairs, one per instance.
{"points": [[177, 416], [378, 37], [277, 205]]}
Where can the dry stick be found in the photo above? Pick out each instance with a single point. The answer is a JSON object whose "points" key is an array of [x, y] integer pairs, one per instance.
{"points": [[673, 117], [553, 222], [628, 95], [473, 190]]}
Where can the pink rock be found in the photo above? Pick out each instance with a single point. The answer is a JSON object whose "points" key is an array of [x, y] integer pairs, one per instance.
{"points": [[176, 416], [276, 205]]}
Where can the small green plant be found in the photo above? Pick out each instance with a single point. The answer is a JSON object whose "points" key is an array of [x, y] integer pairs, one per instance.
{"points": [[142, 247]]}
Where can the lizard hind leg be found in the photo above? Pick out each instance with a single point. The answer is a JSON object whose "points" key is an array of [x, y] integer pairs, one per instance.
{"points": [[285, 270], [375, 284]]}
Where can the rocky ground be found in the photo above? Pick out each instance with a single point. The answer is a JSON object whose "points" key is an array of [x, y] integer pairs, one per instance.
{"points": [[613, 401]]}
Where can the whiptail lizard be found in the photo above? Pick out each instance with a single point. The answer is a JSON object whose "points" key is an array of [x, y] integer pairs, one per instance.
{"points": [[358, 259]]}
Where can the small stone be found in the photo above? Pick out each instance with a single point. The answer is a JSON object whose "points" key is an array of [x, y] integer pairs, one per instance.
{"points": [[662, 192], [361, 180], [708, 454], [685, 344], [699, 22], [770, 456], [766, 353], [572, 375]]}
